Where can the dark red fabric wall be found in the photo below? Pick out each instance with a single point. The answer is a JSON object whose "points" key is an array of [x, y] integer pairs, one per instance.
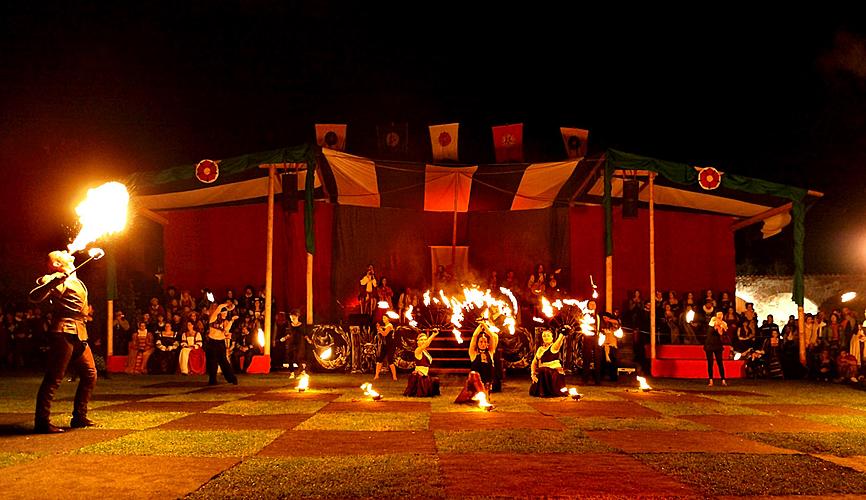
{"points": [[693, 252], [224, 247]]}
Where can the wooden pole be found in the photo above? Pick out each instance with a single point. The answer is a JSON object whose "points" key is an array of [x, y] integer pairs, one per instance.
{"points": [[309, 289], [110, 329], [454, 229], [652, 259], [608, 283], [269, 268], [801, 327]]}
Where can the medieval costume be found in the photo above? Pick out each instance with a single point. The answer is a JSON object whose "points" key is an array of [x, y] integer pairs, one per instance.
{"points": [[141, 347], [192, 359], [164, 358]]}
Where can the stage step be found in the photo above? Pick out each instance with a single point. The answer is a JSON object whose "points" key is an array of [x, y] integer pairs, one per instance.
{"points": [[696, 368]]}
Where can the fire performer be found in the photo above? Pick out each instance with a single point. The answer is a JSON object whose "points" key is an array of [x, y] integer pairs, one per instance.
{"points": [[421, 384], [590, 351], [215, 349], [481, 374], [67, 341], [548, 377], [386, 347]]}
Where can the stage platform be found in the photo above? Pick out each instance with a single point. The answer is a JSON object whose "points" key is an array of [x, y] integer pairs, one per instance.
{"points": [[690, 361]]}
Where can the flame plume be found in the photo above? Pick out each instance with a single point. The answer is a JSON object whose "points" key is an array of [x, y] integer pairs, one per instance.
{"points": [[103, 212]]}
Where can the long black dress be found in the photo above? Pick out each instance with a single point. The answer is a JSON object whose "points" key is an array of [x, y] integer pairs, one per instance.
{"points": [[550, 381]]}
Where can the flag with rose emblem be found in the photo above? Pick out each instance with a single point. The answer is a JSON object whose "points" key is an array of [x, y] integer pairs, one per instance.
{"points": [[393, 140], [443, 139], [331, 135], [508, 143]]}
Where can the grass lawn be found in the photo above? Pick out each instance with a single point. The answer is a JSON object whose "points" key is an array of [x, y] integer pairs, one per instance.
{"points": [[633, 424], [245, 407], [390, 476], [687, 408], [186, 443], [841, 444], [518, 441], [135, 420], [367, 421], [741, 474], [7, 459]]}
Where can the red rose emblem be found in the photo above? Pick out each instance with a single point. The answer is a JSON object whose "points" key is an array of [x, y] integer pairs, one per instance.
{"points": [[444, 139], [207, 171], [709, 178]]}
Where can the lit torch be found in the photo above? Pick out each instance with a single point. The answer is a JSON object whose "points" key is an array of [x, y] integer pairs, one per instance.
{"points": [[103, 212], [574, 394], [261, 337], [848, 296], [618, 333], [643, 385], [303, 382], [392, 315], [383, 304], [409, 317], [482, 401], [594, 287], [326, 354], [690, 316], [369, 391], [457, 336], [546, 308]]}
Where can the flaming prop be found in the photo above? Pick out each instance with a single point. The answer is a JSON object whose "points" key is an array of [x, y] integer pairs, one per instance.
{"points": [[392, 315], [618, 333], [367, 387], [482, 401], [643, 385], [690, 316], [457, 336], [383, 304], [210, 297], [601, 339], [326, 354], [594, 287], [409, 317], [261, 337], [303, 382], [572, 391], [848, 296], [103, 212]]}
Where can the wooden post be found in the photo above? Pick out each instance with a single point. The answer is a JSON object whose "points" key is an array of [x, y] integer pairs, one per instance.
{"points": [[652, 259], [109, 345], [309, 289], [801, 327], [269, 269], [608, 283], [454, 229]]}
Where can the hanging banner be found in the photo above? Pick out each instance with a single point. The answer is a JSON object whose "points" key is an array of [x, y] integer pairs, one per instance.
{"points": [[331, 136], [443, 140], [508, 143], [575, 141]]}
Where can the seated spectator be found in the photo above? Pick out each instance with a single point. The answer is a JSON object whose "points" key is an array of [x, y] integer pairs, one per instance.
{"points": [[164, 358], [141, 346], [192, 360]]}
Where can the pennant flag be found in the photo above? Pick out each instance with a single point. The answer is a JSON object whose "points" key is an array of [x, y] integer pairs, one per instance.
{"points": [[575, 141], [443, 139], [331, 135], [364, 182], [508, 143], [393, 139]]}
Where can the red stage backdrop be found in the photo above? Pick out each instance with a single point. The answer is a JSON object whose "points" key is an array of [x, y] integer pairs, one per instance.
{"points": [[693, 252], [224, 247]]}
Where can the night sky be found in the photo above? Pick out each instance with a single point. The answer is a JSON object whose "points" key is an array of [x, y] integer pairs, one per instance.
{"points": [[91, 92]]}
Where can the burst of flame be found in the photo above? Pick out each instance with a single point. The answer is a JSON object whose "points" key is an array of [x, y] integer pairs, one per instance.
{"points": [[369, 391], [537, 319], [737, 356], [392, 315], [848, 296], [510, 295], [261, 337], [595, 294], [493, 328], [383, 304], [427, 298], [509, 323], [103, 212], [96, 253], [546, 308], [601, 338], [618, 333], [643, 385], [587, 324], [690, 316], [482, 401], [303, 382], [409, 317], [326, 354], [572, 391], [457, 336], [210, 297]]}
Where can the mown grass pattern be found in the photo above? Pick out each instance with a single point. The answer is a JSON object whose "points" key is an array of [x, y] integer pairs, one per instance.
{"points": [[186, 443]]}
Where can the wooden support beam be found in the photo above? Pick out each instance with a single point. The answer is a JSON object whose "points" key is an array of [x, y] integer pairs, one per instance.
{"points": [[150, 214]]}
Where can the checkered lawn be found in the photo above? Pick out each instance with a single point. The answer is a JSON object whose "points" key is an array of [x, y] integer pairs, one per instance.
{"points": [[186, 443]]}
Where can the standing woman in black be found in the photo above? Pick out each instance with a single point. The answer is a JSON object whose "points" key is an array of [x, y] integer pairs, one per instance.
{"points": [[386, 347], [713, 346], [482, 367], [219, 331]]}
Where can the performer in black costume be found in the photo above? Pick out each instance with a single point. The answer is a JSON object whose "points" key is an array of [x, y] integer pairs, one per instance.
{"points": [[548, 377], [421, 384], [483, 366], [67, 341], [215, 349], [386, 347]]}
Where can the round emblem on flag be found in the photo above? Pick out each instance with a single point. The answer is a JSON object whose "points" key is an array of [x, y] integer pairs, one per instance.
{"points": [[508, 140], [709, 178], [331, 139], [444, 139], [207, 171], [573, 142], [392, 139]]}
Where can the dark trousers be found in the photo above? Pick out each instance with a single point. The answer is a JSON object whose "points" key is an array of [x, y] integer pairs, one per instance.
{"points": [[215, 351], [610, 367], [64, 350], [718, 354]]}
